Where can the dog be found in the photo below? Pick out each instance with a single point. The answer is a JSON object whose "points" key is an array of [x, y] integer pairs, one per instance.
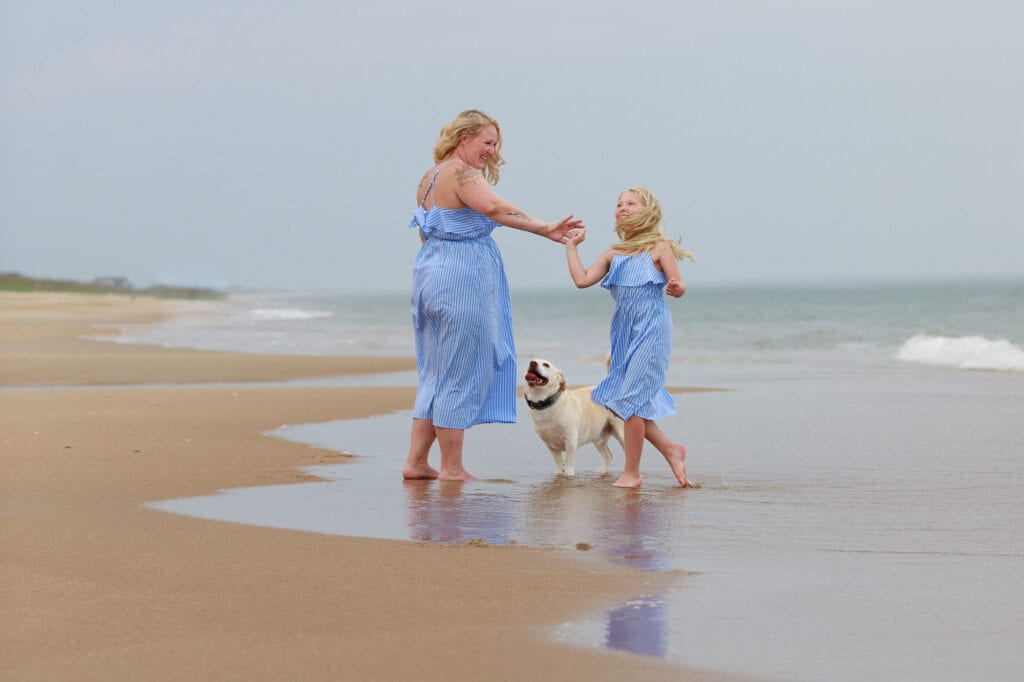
{"points": [[566, 419]]}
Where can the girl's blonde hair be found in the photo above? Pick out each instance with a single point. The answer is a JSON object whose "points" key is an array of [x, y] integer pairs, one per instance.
{"points": [[642, 230], [470, 121]]}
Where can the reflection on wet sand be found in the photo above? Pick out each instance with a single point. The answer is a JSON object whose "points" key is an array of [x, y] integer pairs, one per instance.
{"points": [[440, 512], [624, 526], [641, 625], [366, 497], [631, 527]]}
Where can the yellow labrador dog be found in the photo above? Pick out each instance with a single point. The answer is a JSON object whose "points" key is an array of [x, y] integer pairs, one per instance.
{"points": [[566, 419]]}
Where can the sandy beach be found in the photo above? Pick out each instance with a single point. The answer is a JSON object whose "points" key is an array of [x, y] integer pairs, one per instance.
{"points": [[96, 586]]}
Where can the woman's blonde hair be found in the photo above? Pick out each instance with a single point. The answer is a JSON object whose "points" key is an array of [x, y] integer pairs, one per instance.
{"points": [[642, 230], [470, 121]]}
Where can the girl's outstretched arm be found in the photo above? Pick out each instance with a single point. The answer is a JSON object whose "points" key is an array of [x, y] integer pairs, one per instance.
{"points": [[582, 276]]}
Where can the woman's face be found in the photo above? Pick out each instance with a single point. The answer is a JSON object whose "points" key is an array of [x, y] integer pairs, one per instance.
{"points": [[479, 149], [629, 204]]}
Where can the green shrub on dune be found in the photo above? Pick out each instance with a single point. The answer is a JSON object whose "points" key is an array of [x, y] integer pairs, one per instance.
{"points": [[12, 281]]}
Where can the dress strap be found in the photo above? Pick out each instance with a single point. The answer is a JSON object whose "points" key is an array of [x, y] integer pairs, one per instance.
{"points": [[430, 188]]}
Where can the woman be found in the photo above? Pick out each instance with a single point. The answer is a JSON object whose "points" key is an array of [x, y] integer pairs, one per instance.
{"points": [[461, 312]]}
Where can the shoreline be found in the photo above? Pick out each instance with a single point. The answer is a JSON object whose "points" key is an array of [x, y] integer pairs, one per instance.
{"points": [[97, 586]]}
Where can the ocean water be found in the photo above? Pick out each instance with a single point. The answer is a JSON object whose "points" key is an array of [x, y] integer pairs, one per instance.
{"points": [[860, 514], [719, 332]]}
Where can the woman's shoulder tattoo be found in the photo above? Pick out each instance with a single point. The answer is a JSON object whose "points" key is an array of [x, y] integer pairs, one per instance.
{"points": [[466, 174]]}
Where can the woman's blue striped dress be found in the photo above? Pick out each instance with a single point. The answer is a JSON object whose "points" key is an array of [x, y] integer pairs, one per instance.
{"points": [[462, 318], [641, 336]]}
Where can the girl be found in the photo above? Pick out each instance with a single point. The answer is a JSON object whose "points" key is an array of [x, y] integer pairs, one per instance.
{"points": [[635, 271]]}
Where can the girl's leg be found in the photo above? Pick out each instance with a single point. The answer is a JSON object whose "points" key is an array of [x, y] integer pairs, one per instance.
{"points": [[674, 453], [450, 441], [422, 438], [634, 433]]}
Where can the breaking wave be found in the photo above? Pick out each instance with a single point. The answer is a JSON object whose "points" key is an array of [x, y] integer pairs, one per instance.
{"points": [[963, 352]]}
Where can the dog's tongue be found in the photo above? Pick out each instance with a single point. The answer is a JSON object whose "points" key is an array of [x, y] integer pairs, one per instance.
{"points": [[532, 378]]}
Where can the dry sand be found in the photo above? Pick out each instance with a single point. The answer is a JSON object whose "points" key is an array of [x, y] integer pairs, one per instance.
{"points": [[96, 586]]}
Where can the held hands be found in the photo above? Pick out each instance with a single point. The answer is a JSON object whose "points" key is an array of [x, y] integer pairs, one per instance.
{"points": [[564, 229], [575, 237]]}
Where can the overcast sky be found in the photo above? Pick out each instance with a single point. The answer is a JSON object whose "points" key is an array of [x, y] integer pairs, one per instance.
{"points": [[279, 144]]}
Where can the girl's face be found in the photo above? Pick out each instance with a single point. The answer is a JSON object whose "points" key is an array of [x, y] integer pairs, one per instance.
{"points": [[479, 149], [629, 204]]}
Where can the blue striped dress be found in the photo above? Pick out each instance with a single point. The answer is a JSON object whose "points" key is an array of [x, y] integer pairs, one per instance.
{"points": [[462, 319], [641, 336]]}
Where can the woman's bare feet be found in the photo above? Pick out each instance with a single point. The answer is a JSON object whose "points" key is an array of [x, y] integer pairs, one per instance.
{"points": [[678, 464], [628, 481], [462, 475], [419, 473]]}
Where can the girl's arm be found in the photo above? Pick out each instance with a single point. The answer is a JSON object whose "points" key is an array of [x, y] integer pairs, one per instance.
{"points": [[585, 277], [665, 259], [474, 191]]}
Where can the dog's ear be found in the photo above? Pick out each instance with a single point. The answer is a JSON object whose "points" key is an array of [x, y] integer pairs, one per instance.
{"points": [[561, 381]]}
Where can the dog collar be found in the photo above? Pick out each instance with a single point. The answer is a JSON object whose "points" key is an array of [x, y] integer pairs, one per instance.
{"points": [[546, 403]]}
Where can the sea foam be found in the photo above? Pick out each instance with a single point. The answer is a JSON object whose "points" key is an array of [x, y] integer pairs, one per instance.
{"points": [[269, 314], [964, 352]]}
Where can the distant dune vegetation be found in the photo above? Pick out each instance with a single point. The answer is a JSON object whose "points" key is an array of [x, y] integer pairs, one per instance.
{"points": [[12, 281]]}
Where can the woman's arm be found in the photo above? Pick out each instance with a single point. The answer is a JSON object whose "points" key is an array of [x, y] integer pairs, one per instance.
{"points": [[584, 277], [474, 191], [665, 259]]}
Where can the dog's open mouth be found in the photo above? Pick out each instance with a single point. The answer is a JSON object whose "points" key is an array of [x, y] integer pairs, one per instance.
{"points": [[535, 379]]}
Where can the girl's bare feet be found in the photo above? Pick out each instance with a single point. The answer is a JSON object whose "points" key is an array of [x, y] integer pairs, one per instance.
{"points": [[678, 464], [629, 481]]}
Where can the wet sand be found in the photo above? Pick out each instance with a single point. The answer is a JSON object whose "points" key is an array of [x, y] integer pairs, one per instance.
{"points": [[97, 586]]}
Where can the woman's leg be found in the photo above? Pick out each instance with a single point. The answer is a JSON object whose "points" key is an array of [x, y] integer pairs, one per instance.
{"points": [[674, 453], [422, 438], [450, 441], [634, 432]]}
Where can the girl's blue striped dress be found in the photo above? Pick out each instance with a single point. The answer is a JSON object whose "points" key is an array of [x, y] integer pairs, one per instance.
{"points": [[641, 336], [462, 318]]}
